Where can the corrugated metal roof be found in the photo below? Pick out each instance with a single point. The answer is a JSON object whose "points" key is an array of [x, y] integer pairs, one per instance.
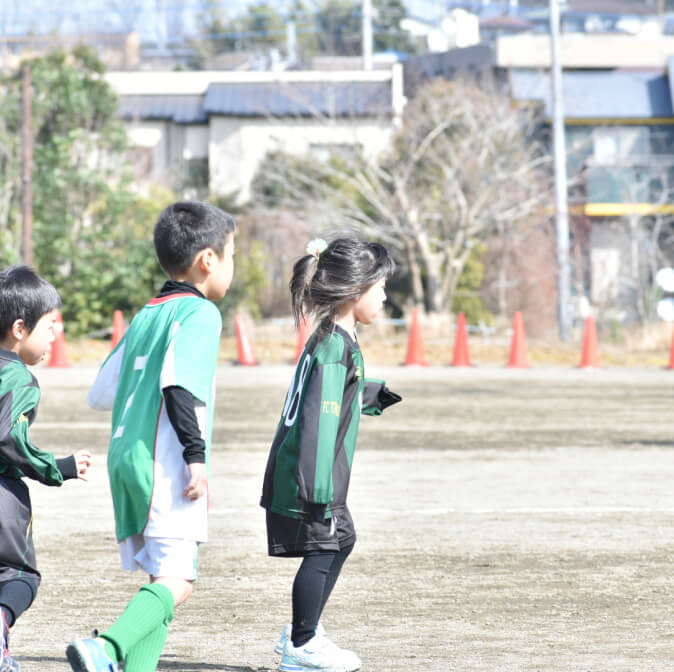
{"points": [[612, 94], [181, 109], [300, 99]]}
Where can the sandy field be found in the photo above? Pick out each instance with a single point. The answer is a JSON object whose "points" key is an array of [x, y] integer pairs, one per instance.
{"points": [[508, 520]]}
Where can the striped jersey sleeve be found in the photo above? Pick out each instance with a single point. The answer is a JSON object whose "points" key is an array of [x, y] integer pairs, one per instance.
{"points": [[318, 430], [19, 397]]}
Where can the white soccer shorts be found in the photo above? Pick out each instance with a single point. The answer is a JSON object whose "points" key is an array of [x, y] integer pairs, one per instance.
{"points": [[158, 556]]}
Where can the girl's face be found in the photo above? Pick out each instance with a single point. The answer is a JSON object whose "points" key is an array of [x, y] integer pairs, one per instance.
{"points": [[369, 304]]}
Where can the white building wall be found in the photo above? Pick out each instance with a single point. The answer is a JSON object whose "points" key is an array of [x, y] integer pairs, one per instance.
{"points": [[583, 50], [237, 146], [152, 136]]}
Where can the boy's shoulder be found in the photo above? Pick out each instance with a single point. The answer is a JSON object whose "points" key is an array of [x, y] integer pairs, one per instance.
{"points": [[184, 304], [161, 314], [14, 374], [13, 369]]}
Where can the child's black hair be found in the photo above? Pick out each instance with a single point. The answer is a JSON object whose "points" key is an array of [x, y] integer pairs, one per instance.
{"points": [[184, 229], [24, 295], [344, 271]]}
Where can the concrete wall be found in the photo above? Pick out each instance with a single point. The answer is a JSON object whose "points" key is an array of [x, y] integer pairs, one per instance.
{"points": [[580, 50], [237, 146]]}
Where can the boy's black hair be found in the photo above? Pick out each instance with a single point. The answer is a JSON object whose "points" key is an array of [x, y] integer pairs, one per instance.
{"points": [[345, 270], [184, 229], [24, 295]]}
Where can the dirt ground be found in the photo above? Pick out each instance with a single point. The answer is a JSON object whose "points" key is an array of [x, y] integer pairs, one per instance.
{"points": [[508, 520]]}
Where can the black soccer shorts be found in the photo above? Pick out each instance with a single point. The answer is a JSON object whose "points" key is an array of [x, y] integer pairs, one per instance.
{"points": [[17, 553], [296, 537]]}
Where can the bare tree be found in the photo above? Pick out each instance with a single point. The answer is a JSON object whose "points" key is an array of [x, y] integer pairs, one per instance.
{"points": [[650, 232], [463, 166]]}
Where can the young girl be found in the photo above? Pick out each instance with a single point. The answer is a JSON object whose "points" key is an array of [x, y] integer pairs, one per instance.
{"points": [[307, 475]]}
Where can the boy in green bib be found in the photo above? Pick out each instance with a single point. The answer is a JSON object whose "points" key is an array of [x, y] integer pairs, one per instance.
{"points": [[160, 383], [28, 311]]}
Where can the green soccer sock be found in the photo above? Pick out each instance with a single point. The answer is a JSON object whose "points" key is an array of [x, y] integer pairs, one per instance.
{"points": [[144, 655], [149, 608]]}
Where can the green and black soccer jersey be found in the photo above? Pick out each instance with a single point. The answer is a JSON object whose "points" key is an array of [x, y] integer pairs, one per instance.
{"points": [[309, 465], [19, 397], [172, 341]]}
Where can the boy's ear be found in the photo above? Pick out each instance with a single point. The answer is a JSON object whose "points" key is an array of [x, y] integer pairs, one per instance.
{"points": [[18, 329], [206, 259]]}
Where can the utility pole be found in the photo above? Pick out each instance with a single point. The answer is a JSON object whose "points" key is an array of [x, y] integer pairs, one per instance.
{"points": [[367, 34], [561, 205], [27, 178]]}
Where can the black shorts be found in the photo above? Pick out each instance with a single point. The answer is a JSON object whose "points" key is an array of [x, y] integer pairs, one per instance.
{"points": [[17, 553], [295, 537]]}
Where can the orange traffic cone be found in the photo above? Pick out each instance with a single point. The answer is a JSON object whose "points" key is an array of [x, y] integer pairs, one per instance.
{"points": [[671, 354], [590, 355], [518, 347], [117, 328], [303, 334], [461, 356], [415, 349], [58, 355], [243, 347]]}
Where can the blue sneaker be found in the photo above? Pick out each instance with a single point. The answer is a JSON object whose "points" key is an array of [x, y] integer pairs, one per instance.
{"points": [[88, 655], [7, 663], [287, 633], [319, 654], [10, 665]]}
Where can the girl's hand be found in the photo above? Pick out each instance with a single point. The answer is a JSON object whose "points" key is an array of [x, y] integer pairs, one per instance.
{"points": [[198, 484], [83, 462]]}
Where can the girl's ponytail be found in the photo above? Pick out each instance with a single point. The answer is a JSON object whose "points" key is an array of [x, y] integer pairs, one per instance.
{"points": [[303, 272], [330, 276]]}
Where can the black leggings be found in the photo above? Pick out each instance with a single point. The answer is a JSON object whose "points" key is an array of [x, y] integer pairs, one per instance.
{"points": [[16, 595], [313, 584]]}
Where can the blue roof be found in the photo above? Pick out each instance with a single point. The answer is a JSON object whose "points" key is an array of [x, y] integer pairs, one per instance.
{"points": [[181, 109], [600, 94], [299, 99]]}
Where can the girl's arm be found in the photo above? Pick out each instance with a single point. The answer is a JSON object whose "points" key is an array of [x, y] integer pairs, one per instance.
{"points": [[319, 424], [377, 397]]}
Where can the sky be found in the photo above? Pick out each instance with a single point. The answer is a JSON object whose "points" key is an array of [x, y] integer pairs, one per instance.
{"points": [[90, 16], [154, 19]]}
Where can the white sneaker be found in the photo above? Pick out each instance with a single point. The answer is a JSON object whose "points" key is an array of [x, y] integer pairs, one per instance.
{"points": [[287, 634], [319, 653]]}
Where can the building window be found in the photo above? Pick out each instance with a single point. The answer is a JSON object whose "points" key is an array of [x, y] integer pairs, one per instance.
{"points": [[196, 173], [616, 143]]}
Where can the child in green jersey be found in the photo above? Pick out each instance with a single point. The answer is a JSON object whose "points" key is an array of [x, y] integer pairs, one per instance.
{"points": [[28, 309], [160, 383], [307, 476]]}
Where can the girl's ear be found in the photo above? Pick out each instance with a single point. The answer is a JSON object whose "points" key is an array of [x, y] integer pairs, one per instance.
{"points": [[18, 329]]}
